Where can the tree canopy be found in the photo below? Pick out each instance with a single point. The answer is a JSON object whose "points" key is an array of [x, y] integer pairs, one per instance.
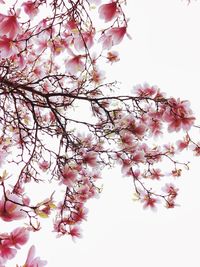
{"points": [[52, 58]]}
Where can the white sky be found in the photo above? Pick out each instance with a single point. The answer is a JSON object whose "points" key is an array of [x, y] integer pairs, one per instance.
{"points": [[165, 51]]}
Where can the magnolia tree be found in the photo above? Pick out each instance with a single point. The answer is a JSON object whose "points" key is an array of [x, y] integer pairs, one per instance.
{"points": [[51, 58]]}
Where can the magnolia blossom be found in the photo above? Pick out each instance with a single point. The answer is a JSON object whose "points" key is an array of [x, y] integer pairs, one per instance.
{"points": [[83, 40], [156, 174], [112, 37], [108, 11], [6, 252], [75, 232], [90, 158], [18, 237], [7, 47], [31, 261], [9, 26], [74, 65], [97, 76], [179, 115], [10, 242], [10, 211], [68, 176], [44, 165], [149, 202], [182, 144], [30, 8]]}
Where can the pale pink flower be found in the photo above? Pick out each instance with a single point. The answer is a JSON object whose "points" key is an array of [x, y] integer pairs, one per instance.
{"points": [[149, 202], [30, 8], [74, 65], [90, 158], [138, 157], [75, 232], [155, 127], [97, 75], [41, 43], [9, 26], [171, 190], [44, 165], [18, 237], [2, 2], [182, 144], [19, 59], [127, 138], [112, 37], [10, 211], [7, 47], [84, 40], [108, 11], [31, 261], [179, 115], [58, 46], [156, 174], [6, 252], [80, 215], [145, 90], [68, 176]]}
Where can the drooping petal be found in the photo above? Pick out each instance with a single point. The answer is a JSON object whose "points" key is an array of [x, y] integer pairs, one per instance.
{"points": [[108, 11]]}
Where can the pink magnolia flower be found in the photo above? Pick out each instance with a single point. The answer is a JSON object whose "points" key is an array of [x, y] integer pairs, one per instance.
{"points": [[145, 90], [30, 8], [182, 144], [74, 65], [155, 127], [171, 190], [196, 149], [58, 46], [85, 40], [19, 59], [108, 11], [150, 202], [68, 176], [75, 232], [19, 237], [138, 157], [80, 215], [97, 76], [7, 47], [33, 262], [112, 37], [41, 43], [10, 211], [44, 165], [90, 158], [179, 116], [156, 174], [9, 26], [6, 252]]}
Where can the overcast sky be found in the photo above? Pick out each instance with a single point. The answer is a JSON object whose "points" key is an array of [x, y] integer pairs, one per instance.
{"points": [[164, 50]]}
